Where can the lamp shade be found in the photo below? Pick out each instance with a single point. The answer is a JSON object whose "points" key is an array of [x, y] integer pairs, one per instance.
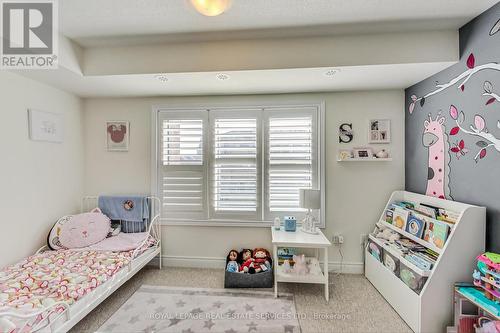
{"points": [[310, 199]]}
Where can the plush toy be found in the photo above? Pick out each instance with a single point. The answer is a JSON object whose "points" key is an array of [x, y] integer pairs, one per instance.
{"points": [[313, 266], [387, 234], [85, 229], [300, 266], [232, 262], [287, 268], [262, 260], [247, 261]]}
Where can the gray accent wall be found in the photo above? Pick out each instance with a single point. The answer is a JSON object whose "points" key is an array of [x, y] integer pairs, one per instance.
{"points": [[474, 167]]}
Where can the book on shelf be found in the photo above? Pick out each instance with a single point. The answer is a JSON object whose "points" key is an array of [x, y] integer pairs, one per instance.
{"points": [[400, 217], [436, 232], [389, 214], [424, 210], [405, 204], [419, 261], [286, 253], [415, 226]]}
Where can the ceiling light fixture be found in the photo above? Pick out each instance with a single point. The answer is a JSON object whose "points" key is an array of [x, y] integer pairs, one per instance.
{"points": [[161, 78], [331, 72], [222, 77], [211, 7]]}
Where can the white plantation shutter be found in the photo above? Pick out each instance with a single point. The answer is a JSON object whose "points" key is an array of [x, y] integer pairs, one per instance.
{"points": [[235, 171], [182, 185], [239, 164], [291, 159], [182, 141]]}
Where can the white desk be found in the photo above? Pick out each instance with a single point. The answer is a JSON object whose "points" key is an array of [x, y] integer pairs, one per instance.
{"points": [[299, 239]]}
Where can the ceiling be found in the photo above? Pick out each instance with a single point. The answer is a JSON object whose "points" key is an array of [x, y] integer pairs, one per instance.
{"points": [[349, 78], [101, 24], [89, 22]]}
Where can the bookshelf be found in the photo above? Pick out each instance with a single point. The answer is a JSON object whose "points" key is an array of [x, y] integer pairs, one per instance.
{"points": [[430, 310]]}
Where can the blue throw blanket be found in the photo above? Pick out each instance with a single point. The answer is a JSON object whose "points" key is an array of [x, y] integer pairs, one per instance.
{"points": [[131, 210]]}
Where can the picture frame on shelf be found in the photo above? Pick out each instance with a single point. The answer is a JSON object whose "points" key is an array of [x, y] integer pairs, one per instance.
{"points": [[379, 131], [363, 153], [117, 136]]}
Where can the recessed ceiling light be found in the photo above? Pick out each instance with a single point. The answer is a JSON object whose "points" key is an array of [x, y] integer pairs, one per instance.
{"points": [[211, 7], [331, 72], [161, 77], [222, 77]]}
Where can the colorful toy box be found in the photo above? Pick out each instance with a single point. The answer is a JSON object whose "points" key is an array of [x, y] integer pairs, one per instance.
{"points": [[488, 275]]}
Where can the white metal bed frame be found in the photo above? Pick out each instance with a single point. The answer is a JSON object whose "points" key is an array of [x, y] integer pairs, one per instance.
{"points": [[71, 319]]}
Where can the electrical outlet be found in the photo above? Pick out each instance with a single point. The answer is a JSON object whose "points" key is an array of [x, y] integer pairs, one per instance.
{"points": [[363, 238], [338, 239]]}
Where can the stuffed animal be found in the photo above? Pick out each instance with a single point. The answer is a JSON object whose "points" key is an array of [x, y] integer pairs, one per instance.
{"points": [[287, 268], [232, 262], [247, 261], [300, 266], [387, 234], [313, 266], [85, 229]]}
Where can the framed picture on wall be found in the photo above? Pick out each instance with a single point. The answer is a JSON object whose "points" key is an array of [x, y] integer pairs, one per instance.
{"points": [[379, 131], [45, 126], [117, 135]]}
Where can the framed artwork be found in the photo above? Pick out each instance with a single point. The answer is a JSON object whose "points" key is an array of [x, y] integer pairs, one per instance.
{"points": [[379, 131], [45, 126], [117, 135], [362, 153]]}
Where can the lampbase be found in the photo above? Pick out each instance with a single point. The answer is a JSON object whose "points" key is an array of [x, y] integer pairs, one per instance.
{"points": [[314, 231]]}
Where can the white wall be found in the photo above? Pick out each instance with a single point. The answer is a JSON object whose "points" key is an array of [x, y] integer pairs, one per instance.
{"points": [[355, 192], [40, 181]]}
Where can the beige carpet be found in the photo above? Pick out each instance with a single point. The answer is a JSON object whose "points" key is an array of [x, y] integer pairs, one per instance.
{"points": [[355, 306]]}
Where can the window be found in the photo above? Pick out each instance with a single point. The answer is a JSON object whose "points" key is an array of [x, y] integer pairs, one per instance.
{"points": [[237, 165]]}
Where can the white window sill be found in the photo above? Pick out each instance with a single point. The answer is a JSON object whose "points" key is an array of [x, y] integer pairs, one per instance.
{"points": [[221, 223]]}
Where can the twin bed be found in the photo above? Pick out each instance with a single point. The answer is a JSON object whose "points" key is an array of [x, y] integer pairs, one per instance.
{"points": [[51, 291]]}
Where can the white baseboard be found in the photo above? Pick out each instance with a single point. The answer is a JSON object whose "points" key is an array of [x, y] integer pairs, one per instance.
{"points": [[219, 263]]}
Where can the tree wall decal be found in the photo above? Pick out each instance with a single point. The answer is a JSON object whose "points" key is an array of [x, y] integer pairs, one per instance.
{"points": [[458, 81]]}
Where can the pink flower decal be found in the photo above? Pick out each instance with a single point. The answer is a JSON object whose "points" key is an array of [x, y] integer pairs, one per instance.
{"points": [[479, 123], [453, 112]]}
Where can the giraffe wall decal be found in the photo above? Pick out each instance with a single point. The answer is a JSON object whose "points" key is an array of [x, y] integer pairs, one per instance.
{"points": [[436, 140]]}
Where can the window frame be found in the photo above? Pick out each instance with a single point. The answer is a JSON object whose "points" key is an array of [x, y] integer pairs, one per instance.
{"points": [[156, 161]]}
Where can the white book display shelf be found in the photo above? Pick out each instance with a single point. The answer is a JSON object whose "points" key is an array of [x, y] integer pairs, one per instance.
{"points": [[430, 310]]}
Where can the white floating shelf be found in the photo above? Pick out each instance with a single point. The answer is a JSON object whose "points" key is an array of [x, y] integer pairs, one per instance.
{"points": [[365, 159]]}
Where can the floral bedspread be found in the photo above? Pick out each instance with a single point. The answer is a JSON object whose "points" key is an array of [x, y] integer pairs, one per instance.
{"points": [[49, 277]]}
